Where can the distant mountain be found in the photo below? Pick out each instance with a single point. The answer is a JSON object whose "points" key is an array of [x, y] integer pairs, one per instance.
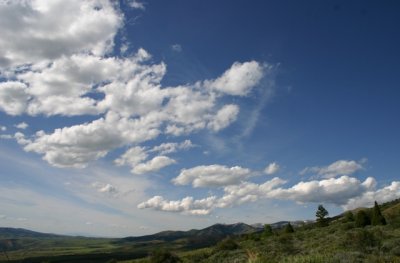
{"points": [[196, 238], [8, 232]]}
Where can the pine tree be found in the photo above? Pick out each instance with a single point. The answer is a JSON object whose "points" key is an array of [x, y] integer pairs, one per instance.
{"points": [[349, 217], [377, 217], [289, 228], [267, 231], [362, 219], [321, 214]]}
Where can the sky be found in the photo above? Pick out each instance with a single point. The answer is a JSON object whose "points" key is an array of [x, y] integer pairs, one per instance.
{"points": [[125, 118]]}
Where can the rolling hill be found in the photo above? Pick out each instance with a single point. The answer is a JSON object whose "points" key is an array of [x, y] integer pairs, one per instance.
{"points": [[243, 243]]}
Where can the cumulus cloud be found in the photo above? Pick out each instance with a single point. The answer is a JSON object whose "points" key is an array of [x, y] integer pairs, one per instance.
{"points": [[272, 168], [333, 190], [71, 72], [132, 157], [77, 145], [21, 125], [136, 113], [347, 192], [153, 165], [13, 97], [136, 4], [341, 167], [34, 31], [135, 157], [239, 79], [171, 147], [367, 199], [212, 176], [187, 205], [224, 117], [105, 188]]}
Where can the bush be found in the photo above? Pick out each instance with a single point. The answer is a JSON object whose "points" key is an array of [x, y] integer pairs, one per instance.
{"points": [[362, 219], [360, 239], [164, 256], [227, 244], [348, 225], [348, 217], [267, 231], [288, 228]]}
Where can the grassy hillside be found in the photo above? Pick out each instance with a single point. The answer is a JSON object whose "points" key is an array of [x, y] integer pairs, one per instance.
{"points": [[342, 240], [21, 245]]}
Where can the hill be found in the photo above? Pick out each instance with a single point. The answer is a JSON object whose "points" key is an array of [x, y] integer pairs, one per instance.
{"points": [[340, 241], [194, 238], [9, 232]]}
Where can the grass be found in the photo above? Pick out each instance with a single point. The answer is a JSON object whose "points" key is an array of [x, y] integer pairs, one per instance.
{"points": [[339, 242]]}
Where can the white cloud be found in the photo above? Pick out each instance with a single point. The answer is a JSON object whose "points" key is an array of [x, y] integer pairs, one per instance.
{"points": [[172, 147], [34, 31], [212, 176], [132, 157], [334, 190], [136, 4], [176, 48], [135, 157], [153, 165], [272, 168], [188, 109], [224, 117], [3, 128], [72, 74], [247, 192], [6, 136], [78, 145], [385, 194], [187, 205], [20, 138], [21, 125], [347, 192], [13, 97], [341, 167], [105, 188], [239, 79]]}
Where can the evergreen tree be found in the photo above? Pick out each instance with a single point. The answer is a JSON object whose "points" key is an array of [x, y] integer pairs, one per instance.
{"points": [[349, 217], [362, 219], [288, 228], [267, 231], [321, 214], [377, 217]]}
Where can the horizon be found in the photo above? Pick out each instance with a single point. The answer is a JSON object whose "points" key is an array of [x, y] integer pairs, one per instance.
{"points": [[167, 230], [130, 117]]}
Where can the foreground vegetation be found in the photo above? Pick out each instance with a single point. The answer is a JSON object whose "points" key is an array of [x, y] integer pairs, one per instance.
{"points": [[363, 235]]}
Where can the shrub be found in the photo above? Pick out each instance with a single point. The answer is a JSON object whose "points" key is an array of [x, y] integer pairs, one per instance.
{"points": [[163, 256], [227, 244], [288, 228], [362, 219], [267, 231], [360, 239], [348, 217]]}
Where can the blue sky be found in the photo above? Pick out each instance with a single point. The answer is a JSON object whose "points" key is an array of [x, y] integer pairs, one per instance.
{"points": [[132, 117]]}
